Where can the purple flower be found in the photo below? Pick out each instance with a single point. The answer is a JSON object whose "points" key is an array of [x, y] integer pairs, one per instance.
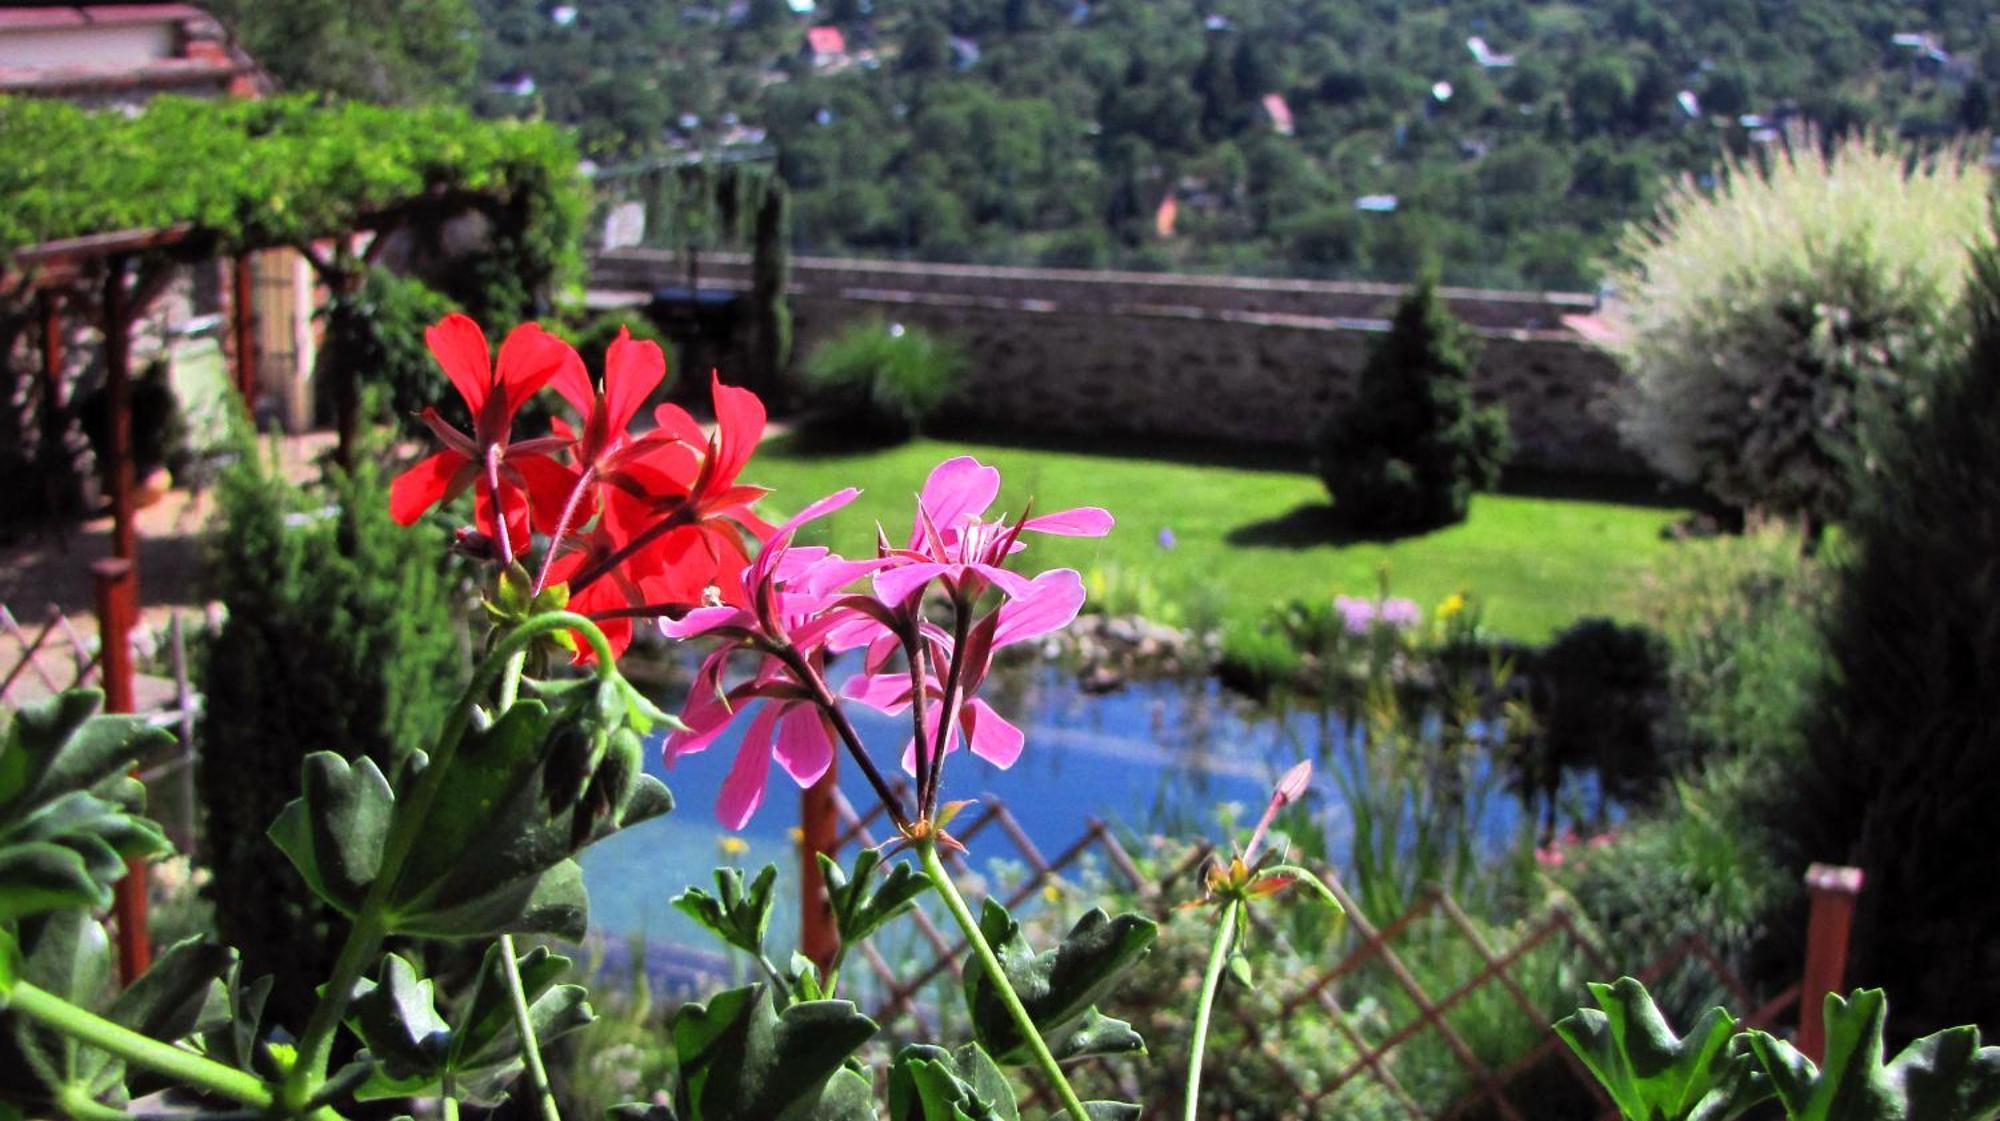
{"points": [[1357, 615], [1167, 539], [1400, 613]]}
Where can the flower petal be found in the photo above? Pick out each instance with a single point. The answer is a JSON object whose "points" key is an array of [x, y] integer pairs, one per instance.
{"points": [[805, 745], [884, 692], [632, 371], [460, 347], [739, 424], [743, 788], [957, 487], [992, 737], [430, 482], [1084, 521], [895, 586], [529, 359], [1052, 601]]}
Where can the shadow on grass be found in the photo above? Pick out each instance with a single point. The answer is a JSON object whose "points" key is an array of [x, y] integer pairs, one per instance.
{"points": [[1308, 525]]}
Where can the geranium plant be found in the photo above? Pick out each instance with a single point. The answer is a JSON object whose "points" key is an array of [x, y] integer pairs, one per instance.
{"points": [[588, 532]]}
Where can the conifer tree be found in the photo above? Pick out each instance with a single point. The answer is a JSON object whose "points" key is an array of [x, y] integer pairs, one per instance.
{"points": [[1411, 450]]}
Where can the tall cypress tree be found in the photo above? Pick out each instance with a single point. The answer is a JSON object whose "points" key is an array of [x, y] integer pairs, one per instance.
{"points": [[1411, 450], [339, 636], [1902, 774]]}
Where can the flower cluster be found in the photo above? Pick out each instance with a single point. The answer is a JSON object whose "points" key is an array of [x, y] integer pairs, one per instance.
{"points": [[654, 525], [635, 524], [1361, 616]]}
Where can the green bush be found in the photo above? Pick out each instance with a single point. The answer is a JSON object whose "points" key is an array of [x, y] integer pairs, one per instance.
{"points": [[1413, 448], [340, 635], [1757, 319], [883, 380], [375, 338], [1899, 776], [593, 336]]}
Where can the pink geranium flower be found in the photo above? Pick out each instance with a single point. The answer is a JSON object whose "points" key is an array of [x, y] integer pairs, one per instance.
{"points": [[781, 622], [1048, 603]]}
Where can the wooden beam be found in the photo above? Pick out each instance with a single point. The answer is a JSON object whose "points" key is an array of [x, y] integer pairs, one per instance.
{"points": [[243, 327]]}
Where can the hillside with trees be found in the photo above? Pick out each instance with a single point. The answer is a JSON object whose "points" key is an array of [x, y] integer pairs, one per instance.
{"points": [[1508, 140]]}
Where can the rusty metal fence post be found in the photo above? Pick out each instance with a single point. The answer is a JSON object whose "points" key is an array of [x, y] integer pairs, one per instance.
{"points": [[1833, 890], [819, 832], [116, 609]]}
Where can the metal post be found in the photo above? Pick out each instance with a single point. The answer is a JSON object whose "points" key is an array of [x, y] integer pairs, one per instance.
{"points": [[116, 607], [819, 828], [243, 324], [1833, 890]]}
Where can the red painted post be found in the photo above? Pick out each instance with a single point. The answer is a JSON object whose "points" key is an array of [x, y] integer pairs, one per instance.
{"points": [[243, 322], [50, 306], [1833, 890], [117, 327], [116, 609], [819, 832]]}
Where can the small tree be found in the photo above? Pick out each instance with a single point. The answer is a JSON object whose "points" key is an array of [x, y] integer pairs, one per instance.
{"points": [[1411, 451], [1899, 776], [340, 636], [1756, 316]]}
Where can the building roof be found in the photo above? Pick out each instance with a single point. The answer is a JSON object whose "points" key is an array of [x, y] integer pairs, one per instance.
{"points": [[90, 50], [826, 41]]}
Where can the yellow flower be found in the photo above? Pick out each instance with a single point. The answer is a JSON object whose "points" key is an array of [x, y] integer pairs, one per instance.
{"points": [[1052, 893], [733, 846], [797, 835], [1452, 607]]}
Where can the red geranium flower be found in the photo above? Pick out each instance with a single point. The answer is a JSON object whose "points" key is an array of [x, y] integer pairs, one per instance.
{"points": [[529, 358]]}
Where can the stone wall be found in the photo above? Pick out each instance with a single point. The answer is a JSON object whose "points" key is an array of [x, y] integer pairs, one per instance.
{"points": [[1187, 357]]}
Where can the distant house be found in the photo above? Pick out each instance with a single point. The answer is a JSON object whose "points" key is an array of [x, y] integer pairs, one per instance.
{"points": [[1689, 103], [515, 85], [563, 15], [1376, 204], [1486, 56], [964, 52], [103, 55], [826, 47], [1280, 113]]}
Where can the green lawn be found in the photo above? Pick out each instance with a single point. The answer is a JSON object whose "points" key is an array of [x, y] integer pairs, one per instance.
{"points": [[1247, 536]]}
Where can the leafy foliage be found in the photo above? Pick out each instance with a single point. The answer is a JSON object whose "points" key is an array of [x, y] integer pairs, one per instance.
{"points": [[1895, 777], [1719, 1072], [1761, 322], [69, 815], [388, 51], [882, 380], [741, 1060], [1060, 987], [284, 171], [1411, 450], [374, 337], [339, 633]]}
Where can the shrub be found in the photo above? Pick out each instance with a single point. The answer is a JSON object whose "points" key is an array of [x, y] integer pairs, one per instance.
{"points": [[1755, 318], [594, 335], [375, 338], [1899, 776], [1413, 448], [883, 380], [339, 636], [1599, 693]]}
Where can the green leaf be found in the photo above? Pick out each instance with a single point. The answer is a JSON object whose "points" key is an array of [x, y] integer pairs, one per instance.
{"points": [[1058, 987], [69, 815], [848, 1096], [1098, 1036], [931, 1084], [736, 915], [335, 830], [742, 1061], [10, 965], [179, 994], [861, 906], [397, 1017], [1946, 1076], [1104, 1111], [1652, 1074]]}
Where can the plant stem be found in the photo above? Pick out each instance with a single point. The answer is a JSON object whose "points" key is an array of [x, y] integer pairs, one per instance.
{"points": [[1225, 933], [803, 672], [524, 1026], [955, 903], [961, 623], [371, 923], [510, 682], [138, 1050], [920, 751]]}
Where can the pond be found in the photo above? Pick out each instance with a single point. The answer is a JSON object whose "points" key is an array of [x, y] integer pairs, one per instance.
{"points": [[1151, 756]]}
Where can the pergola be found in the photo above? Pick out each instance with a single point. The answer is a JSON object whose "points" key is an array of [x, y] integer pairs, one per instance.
{"points": [[222, 181]]}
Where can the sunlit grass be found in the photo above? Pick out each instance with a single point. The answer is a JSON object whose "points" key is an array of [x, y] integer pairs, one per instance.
{"points": [[1245, 537]]}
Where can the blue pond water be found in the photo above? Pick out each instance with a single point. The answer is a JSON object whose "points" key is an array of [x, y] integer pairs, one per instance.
{"points": [[1157, 756]]}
